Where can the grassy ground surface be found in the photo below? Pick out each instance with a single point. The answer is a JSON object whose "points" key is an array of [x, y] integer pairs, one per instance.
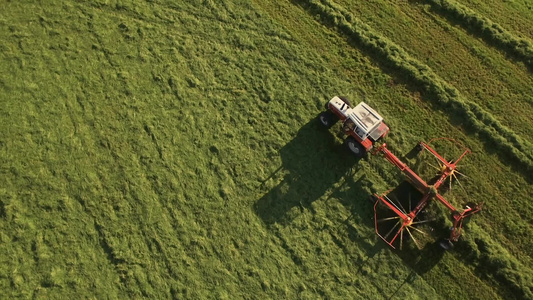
{"points": [[170, 149], [483, 74], [516, 16]]}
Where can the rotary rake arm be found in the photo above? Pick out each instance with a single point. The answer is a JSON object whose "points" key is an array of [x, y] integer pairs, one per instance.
{"points": [[446, 168], [400, 219], [418, 182], [458, 219]]}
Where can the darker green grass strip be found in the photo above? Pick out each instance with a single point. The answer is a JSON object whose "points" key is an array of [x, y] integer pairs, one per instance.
{"points": [[481, 26], [508, 272], [496, 135]]}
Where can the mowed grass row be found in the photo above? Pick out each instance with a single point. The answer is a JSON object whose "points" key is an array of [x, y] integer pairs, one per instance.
{"points": [[168, 149], [80, 206], [507, 276], [511, 15], [445, 95], [482, 74], [493, 33]]}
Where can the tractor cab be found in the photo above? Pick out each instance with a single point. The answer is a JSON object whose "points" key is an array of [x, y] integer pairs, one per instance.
{"points": [[366, 122], [363, 125]]}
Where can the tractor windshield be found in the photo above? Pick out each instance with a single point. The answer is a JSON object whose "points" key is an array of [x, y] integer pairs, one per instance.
{"points": [[379, 131]]}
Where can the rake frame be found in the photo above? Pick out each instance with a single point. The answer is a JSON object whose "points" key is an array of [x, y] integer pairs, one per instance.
{"points": [[429, 192]]}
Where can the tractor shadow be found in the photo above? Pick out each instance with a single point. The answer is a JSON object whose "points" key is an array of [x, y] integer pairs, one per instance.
{"points": [[312, 163]]}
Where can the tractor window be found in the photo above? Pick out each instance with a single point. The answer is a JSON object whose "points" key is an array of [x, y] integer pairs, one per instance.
{"points": [[348, 125], [360, 133]]}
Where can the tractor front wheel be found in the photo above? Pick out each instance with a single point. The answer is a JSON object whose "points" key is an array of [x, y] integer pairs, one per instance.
{"points": [[328, 119], [354, 146]]}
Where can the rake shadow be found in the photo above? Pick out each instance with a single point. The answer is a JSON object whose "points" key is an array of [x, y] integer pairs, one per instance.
{"points": [[421, 260]]}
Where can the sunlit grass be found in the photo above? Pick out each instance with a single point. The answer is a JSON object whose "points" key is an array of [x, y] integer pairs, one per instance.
{"points": [[163, 149]]}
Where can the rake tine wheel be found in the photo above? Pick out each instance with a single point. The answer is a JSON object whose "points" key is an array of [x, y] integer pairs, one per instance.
{"points": [[435, 167], [401, 239], [414, 240], [399, 208], [460, 173], [429, 191], [438, 160], [422, 222], [392, 229], [399, 204], [422, 232], [386, 219], [451, 182], [460, 184]]}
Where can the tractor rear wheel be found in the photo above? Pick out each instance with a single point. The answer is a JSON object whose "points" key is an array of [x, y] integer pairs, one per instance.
{"points": [[328, 119], [354, 146]]}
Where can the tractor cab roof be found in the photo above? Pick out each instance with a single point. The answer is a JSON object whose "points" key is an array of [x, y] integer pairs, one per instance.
{"points": [[365, 117]]}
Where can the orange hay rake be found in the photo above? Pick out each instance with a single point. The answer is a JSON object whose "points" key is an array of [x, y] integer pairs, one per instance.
{"points": [[392, 221]]}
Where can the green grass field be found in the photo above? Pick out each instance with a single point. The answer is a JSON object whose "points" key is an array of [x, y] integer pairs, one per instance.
{"points": [[170, 149], [512, 15]]}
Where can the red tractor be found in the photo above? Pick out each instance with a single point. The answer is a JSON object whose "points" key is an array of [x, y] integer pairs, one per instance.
{"points": [[363, 125]]}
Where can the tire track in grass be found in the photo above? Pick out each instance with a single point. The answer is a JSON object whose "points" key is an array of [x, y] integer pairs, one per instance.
{"points": [[155, 133], [485, 28], [299, 254], [447, 96], [124, 262], [128, 263], [54, 132]]}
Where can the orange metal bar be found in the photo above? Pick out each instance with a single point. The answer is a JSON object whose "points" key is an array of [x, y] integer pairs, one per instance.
{"points": [[418, 182], [446, 203], [394, 208]]}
